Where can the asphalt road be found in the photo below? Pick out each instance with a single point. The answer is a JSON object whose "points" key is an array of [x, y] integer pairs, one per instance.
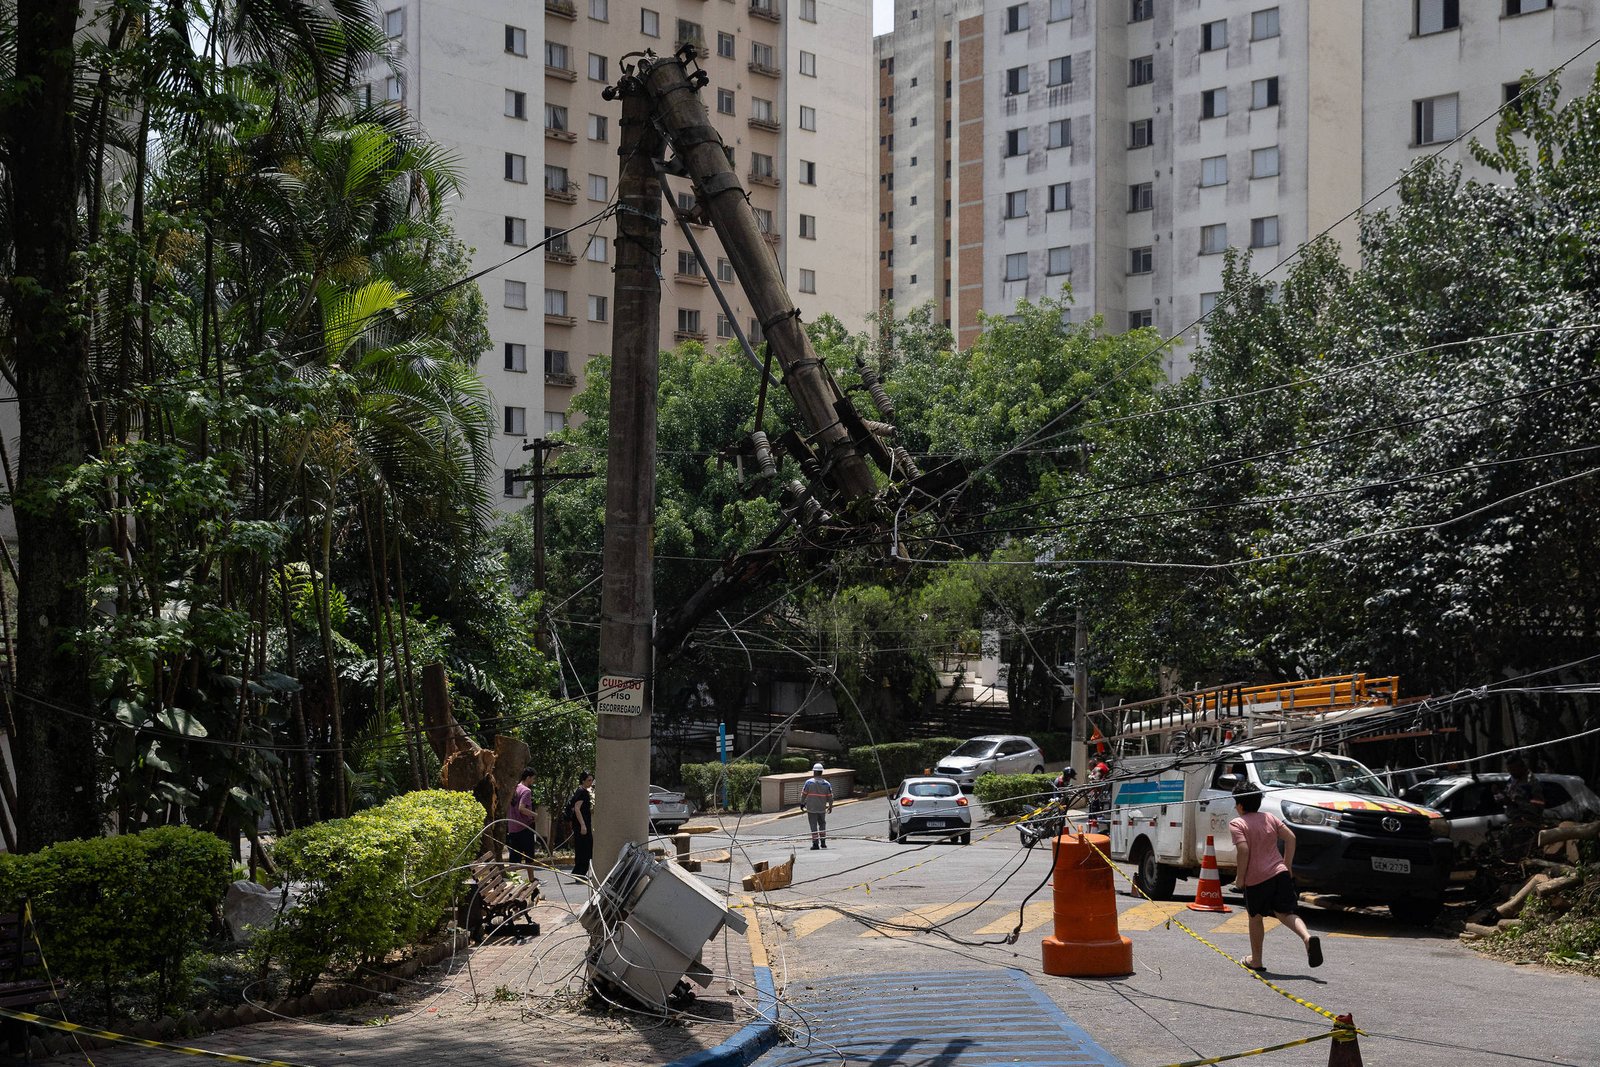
{"points": [[868, 906]]}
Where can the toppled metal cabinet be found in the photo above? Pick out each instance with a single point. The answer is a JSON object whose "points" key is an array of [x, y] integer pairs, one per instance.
{"points": [[648, 922]]}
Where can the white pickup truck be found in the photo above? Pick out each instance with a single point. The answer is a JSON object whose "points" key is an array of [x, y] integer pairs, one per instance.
{"points": [[1353, 837]]}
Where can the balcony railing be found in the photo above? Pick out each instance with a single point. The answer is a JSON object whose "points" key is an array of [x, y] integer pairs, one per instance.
{"points": [[559, 320], [567, 194], [561, 8], [765, 9], [689, 279], [566, 74], [553, 134], [770, 125], [688, 335], [560, 255], [560, 377], [764, 70], [763, 178]]}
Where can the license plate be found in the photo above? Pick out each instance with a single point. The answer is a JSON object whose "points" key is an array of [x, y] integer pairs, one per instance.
{"points": [[1383, 863], [936, 824]]}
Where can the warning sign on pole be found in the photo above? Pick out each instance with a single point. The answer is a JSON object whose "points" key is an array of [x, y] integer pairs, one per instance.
{"points": [[620, 695]]}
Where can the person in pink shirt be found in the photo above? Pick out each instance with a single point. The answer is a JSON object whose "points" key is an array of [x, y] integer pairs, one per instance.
{"points": [[1266, 877], [521, 839]]}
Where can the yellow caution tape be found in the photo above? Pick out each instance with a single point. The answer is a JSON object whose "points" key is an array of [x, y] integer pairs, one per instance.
{"points": [[108, 1035], [1335, 1034]]}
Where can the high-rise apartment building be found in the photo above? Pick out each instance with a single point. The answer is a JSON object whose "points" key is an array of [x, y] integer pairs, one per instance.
{"points": [[514, 89], [1121, 146]]}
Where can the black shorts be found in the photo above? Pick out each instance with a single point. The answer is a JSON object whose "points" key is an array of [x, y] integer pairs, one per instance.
{"points": [[1276, 896]]}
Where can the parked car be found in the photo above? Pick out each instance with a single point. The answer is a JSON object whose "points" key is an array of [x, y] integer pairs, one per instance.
{"points": [[992, 754], [930, 804], [668, 810], [1472, 806]]}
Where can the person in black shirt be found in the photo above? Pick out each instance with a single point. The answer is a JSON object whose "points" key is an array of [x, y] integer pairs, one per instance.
{"points": [[581, 808]]}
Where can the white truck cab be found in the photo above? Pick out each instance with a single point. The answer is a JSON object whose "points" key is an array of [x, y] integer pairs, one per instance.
{"points": [[1353, 837]]}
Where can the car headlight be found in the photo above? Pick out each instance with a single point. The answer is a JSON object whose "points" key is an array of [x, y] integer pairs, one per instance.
{"points": [[1308, 815], [1440, 826]]}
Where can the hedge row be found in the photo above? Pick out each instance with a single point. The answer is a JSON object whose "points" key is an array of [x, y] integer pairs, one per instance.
{"points": [[882, 766], [1010, 795], [112, 910], [375, 882], [702, 784]]}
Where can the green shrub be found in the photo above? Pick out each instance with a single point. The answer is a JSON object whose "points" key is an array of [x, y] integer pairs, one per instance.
{"points": [[882, 766], [112, 910], [794, 765], [373, 883], [1011, 795], [702, 781], [1055, 746]]}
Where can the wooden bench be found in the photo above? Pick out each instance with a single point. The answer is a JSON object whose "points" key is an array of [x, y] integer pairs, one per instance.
{"points": [[497, 902], [22, 985]]}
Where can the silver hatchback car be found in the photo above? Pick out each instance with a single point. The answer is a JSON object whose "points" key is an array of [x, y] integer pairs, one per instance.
{"points": [[992, 754], [930, 804]]}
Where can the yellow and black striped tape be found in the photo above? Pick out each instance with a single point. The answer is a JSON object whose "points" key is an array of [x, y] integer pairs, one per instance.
{"points": [[140, 1042], [1261, 1051]]}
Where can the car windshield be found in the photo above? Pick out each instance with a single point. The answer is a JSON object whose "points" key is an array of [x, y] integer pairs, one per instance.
{"points": [[932, 789], [1319, 772], [976, 748], [1429, 794]]}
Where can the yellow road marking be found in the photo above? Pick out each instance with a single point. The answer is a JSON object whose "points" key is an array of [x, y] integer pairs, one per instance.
{"points": [[1034, 915], [752, 933], [1149, 915], [928, 916], [1239, 923], [810, 922]]}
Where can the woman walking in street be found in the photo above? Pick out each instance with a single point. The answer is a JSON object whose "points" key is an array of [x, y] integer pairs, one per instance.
{"points": [[1266, 877]]}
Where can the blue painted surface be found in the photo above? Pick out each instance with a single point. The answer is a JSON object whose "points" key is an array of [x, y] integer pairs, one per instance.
{"points": [[965, 1018], [1165, 791], [749, 1043]]}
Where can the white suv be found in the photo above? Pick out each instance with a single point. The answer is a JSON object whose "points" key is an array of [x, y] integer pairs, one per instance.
{"points": [[992, 754]]}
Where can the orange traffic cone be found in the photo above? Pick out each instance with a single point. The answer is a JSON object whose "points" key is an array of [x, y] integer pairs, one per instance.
{"points": [[1208, 897], [1346, 1050], [1085, 942]]}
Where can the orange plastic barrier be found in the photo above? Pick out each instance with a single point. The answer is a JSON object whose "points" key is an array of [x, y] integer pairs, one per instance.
{"points": [[1086, 943]]}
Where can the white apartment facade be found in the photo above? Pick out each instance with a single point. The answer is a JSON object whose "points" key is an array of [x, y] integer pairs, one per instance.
{"points": [[514, 89], [1121, 146]]}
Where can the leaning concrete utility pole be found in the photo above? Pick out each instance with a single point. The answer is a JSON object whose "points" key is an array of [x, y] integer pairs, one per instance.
{"points": [[1080, 701], [627, 592]]}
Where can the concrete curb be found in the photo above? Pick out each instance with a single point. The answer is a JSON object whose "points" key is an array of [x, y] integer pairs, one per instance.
{"points": [[743, 1047]]}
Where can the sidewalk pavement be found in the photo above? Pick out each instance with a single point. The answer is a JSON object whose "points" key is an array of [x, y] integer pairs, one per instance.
{"points": [[515, 1001]]}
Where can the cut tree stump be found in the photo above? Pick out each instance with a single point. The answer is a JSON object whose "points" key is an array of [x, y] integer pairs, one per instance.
{"points": [[1570, 832]]}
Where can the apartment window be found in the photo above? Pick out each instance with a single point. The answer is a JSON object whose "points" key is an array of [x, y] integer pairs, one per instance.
{"points": [[1264, 232], [555, 301], [724, 326], [599, 249], [1436, 16], [761, 54], [1061, 197], [554, 422], [1060, 70], [808, 280], [511, 488], [1141, 10], [1017, 204], [1264, 24], [1059, 260], [516, 295], [763, 219], [808, 64], [516, 40], [724, 101], [1263, 93], [649, 22], [1141, 196], [1060, 9], [1141, 320], [1213, 239], [760, 110], [516, 104], [555, 55], [555, 240], [808, 10], [760, 164], [687, 264], [1524, 7], [1141, 70], [1264, 162], [364, 95], [808, 172], [724, 270], [1213, 103], [752, 332], [725, 45], [516, 168], [516, 231], [599, 128], [1060, 133], [690, 33], [516, 357], [1140, 260], [555, 117], [1208, 302], [1214, 36], [394, 89], [1140, 133], [1016, 18], [1017, 142], [1214, 170], [599, 308], [688, 320], [1016, 81], [599, 187], [1016, 266], [555, 178], [394, 22], [516, 421], [597, 67], [555, 361], [600, 10], [808, 118], [808, 227], [1433, 120]]}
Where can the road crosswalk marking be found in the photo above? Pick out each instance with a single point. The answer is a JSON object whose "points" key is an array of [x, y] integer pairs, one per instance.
{"points": [[1034, 915], [1149, 915], [810, 922], [1239, 923], [929, 916]]}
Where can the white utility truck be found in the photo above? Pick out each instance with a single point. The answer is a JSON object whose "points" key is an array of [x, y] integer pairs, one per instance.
{"points": [[1354, 838]]}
